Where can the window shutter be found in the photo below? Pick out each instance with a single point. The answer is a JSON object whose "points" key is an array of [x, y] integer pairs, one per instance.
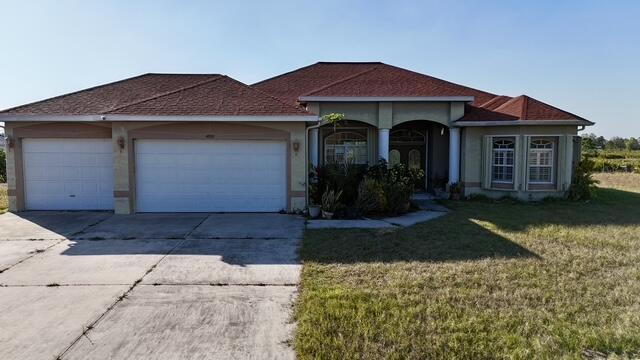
{"points": [[562, 154], [485, 173], [525, 162], [517, 162]]}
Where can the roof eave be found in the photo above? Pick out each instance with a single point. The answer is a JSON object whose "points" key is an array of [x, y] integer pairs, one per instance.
{"points": [[176, 118], [579, 122], [386, 98]]}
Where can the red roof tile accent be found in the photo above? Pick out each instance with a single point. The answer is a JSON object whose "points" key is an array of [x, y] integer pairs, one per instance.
{"points": [[522, 107], [219, 96], [164, 94], [362, 79]]}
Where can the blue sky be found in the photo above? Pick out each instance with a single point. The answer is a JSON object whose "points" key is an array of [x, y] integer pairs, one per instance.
{"points": [[582, 56]]}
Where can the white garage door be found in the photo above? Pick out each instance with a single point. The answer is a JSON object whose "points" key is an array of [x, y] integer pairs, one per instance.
{"points": [[210, 176], [68, 174]]}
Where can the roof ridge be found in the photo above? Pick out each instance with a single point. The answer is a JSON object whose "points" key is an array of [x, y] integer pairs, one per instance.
{"points": [[283, 74], [512, 100], [350, 77], [75, 92], [219, 76], [268, 95], [439, 79], [493, 100], [350, 62], [556, 108], [525, 106]]}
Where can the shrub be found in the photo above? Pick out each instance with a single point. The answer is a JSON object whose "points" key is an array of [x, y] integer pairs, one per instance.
{"points": [[397, 197], [397, 174], [315, 194], [371, 197], [582, 184], [331, 200], [345, 176], [3, 167]]}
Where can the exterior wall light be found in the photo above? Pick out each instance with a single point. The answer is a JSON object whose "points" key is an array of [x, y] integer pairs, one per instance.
{"points": [[296, 145], [10, 142], [121, 143]]}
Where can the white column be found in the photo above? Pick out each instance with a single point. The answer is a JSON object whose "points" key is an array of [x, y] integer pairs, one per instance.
{"points": [[454, 155], [383, 144], [313, 147]]}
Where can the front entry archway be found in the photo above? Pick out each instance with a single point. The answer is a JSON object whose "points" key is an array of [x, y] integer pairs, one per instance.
{"points": [[409, 147]]}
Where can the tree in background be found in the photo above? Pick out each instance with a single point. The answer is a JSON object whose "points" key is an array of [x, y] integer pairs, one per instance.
{"points": [[632, 144], [616, 143]]}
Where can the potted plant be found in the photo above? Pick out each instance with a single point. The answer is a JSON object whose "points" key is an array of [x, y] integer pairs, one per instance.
{"points": [[330, 201], [455, 191]]}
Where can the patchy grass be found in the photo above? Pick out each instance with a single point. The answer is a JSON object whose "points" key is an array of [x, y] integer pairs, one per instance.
{"points": [[4, 200], [490, 280], [621, 181]]}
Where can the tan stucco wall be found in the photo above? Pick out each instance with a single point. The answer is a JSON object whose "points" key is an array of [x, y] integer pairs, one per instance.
{"points": [[124, 158], [471, 165]]}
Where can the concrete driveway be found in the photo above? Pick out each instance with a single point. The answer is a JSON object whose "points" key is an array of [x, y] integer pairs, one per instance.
{"points": [[92, 285]]}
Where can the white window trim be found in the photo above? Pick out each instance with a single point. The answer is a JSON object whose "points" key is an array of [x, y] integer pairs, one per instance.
{"points": [[513, 150], [555, 140]]}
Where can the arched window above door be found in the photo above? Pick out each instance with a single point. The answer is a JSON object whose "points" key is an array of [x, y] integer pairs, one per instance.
{"points": [[407, 136]]}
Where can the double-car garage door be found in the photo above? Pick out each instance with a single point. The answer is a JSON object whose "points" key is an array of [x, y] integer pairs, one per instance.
{"points": [[171, 175]]}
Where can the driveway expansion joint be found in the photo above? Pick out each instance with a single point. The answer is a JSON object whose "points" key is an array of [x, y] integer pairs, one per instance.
{"points": [[77, 233], [115, 303], [32, 254]]}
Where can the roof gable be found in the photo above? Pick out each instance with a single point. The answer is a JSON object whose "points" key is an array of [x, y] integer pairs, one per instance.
{"points": [[219, 96], [527, 108], [289, 86], [384, 80], [369, 79], [164, 94], [521, 108], [103, 98]]}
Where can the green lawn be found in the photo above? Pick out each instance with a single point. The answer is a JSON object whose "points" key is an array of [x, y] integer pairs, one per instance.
{"points": [[4, 201], [490, 280]]}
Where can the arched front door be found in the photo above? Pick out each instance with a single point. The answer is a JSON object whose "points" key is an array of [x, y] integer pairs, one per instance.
{"points": [[408, 147]]}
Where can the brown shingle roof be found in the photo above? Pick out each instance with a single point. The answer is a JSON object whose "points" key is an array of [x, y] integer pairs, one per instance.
{"points": [[522, 107], [362, 80], [219, 96], [163, 94]]}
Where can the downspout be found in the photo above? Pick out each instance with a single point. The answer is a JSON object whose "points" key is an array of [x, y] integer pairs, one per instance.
{"points": [[306, 160]]}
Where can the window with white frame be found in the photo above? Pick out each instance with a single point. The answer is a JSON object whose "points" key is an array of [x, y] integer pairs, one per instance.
{"points": [[540, 161], [503, 150], [346, 146]]}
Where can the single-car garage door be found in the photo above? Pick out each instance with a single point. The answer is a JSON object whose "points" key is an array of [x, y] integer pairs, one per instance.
{"points": [[68, 174], [210, 176]]}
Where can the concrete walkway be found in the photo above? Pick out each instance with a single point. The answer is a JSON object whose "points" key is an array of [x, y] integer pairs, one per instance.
{"points": [[389, 222], [89, 285]]}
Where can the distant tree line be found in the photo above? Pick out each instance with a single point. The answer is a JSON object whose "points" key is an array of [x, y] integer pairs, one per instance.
{"points": [[591, 142]]}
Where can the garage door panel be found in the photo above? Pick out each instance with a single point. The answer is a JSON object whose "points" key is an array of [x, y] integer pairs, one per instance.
{"points": [[68, 174], [210, 176]]}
